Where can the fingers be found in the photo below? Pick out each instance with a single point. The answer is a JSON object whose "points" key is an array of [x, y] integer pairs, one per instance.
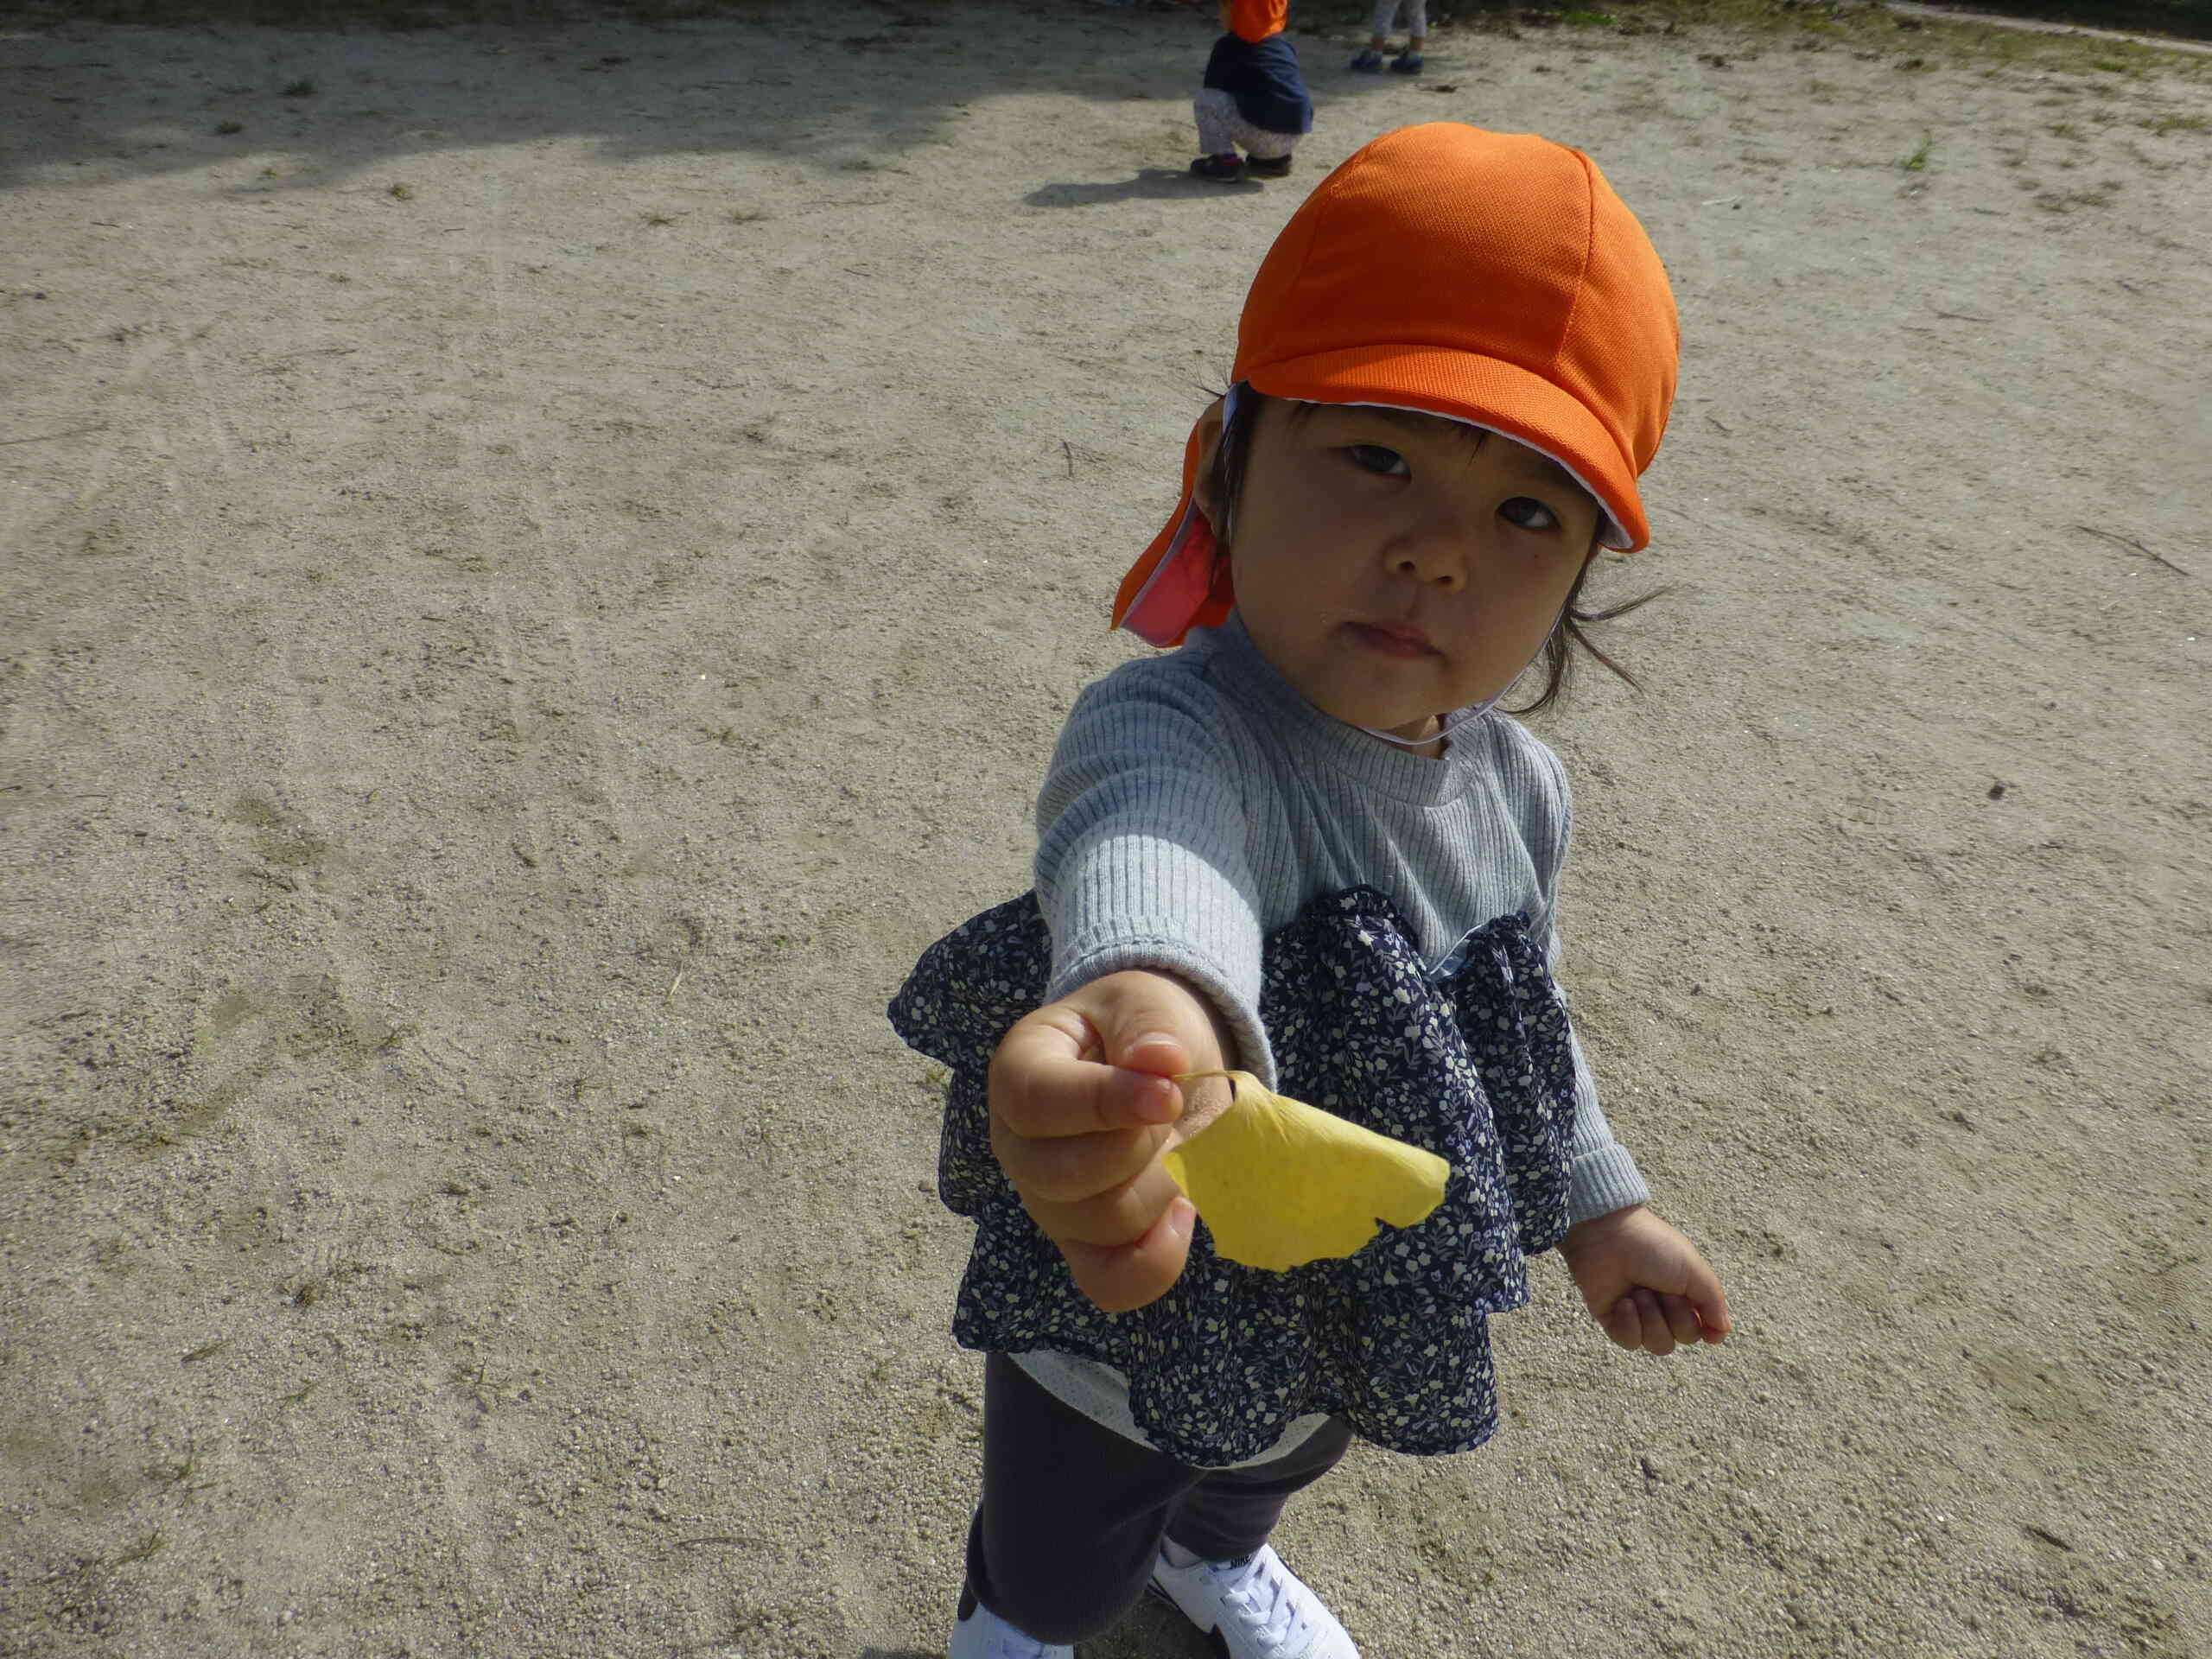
{"points": [[1043, 1089], [1643, 1319], [1651, 1317], [1657, 1325], [1120, 1215], [1682, 1322], [1623, 1323], [1073, 1168], [1126, 1276]]}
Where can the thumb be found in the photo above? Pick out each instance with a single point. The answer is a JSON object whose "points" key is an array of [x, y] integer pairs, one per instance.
{"points": [[1150, 1022], [1711, 1303]]}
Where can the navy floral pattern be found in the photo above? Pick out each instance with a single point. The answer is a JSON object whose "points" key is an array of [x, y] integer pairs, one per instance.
{"points": [[1469, 1059]]}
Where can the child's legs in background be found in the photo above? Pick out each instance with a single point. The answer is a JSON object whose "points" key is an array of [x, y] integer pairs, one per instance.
{"points": [[1217, 117], [1223, 129], [1387, 13], [1073, 1514]]}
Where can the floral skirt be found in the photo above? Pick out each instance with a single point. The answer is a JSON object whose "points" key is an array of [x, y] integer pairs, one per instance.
{"points": [[1469, 1059]]}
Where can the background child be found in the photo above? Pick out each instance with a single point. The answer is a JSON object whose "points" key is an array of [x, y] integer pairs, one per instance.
{"points": [[1304, 844], [1254, 98], [1387, 13]]}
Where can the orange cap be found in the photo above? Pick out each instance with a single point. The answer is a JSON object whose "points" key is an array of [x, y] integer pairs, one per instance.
{"points": [[1256, 19], [1490, 277]]}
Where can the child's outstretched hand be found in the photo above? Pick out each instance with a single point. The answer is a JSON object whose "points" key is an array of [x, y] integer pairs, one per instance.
{"points": [[1082, 1106], [1644, 1282]]}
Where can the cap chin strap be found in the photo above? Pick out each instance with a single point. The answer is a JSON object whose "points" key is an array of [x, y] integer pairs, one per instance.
{"points": [[1450, 727], [1460, 719]]}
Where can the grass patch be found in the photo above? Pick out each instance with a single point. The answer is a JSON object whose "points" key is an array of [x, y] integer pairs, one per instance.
{"points": [[2067, 201], [1918, 162], [2188, 18]]}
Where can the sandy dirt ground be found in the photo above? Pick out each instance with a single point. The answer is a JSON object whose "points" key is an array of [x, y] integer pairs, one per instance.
{"points": [[542, 568]]}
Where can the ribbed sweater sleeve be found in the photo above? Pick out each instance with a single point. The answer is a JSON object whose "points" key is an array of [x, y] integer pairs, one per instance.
{"points": [[1601, 1176], [1141, 857]]}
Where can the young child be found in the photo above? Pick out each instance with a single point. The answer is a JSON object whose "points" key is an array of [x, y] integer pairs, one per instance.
{"points": [[1387, 13], [1306, 845], [1254, 97]]}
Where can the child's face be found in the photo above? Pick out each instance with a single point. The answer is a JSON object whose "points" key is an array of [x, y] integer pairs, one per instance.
{"points": [[1393, 567]]}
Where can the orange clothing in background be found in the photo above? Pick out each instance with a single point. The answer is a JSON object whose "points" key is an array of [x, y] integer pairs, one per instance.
{"points": [[1254, 20]]}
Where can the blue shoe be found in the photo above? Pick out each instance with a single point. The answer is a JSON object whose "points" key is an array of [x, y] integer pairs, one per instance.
{"points": [[1368, 62], [1406, 63]]}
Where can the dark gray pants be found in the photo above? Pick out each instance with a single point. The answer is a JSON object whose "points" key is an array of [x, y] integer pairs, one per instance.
{"points": [[1072, 1514]]}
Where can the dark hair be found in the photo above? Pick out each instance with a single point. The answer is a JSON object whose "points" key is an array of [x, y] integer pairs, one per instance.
{"points": [[1226, 486]]}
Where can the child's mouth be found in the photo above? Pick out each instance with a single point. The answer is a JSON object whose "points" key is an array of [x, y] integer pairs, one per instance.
{"points": [[1392, 642]]}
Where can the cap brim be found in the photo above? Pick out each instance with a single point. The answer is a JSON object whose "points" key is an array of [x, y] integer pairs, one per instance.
{"points": [[1484, 391]]}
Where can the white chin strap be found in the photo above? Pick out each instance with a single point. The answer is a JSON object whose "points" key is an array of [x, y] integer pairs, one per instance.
{"points": [[1450, 727], [1457, 721]]}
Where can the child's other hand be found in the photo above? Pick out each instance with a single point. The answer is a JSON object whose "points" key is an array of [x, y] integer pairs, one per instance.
{"points": [[1082, 1106], [1644, 1282]]}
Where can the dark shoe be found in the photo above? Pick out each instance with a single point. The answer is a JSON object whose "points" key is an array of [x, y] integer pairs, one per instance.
{"points": [[1268, 167], [1368, 62], [1224, 169], [1406, 63]]}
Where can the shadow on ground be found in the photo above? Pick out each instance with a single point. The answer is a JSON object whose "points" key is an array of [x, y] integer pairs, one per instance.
{"points": [[1161, 183], [832, 86], [847, 88]]}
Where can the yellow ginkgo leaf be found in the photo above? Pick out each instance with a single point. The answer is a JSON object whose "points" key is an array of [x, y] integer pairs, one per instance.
{"points": [[1281, 1183]]}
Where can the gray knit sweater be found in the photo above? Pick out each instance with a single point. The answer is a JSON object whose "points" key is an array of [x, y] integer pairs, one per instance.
{"points": [[1196, 803]]}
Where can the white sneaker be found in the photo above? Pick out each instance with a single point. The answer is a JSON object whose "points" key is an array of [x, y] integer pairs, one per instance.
{"points": [[982, 1634], [1254, 1609]]}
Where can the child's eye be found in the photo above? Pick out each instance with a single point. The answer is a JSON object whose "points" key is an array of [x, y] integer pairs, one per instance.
{"points": [[1374, 458], [1529, 513]]}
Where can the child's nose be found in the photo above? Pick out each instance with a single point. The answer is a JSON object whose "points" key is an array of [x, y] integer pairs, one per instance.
{"points": [[1438, 550]]}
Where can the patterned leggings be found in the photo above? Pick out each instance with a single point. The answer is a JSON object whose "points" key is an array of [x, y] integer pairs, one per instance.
{"points": [[1223, 129], [1386, 16]]}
